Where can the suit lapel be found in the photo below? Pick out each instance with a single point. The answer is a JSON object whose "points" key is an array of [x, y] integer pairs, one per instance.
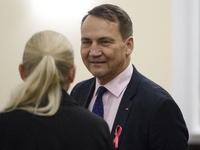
{"points": [[87, 94], [126, 103]]}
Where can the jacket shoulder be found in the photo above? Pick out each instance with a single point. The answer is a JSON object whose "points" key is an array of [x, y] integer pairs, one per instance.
{"points": [[85, 83], [82, 86]]}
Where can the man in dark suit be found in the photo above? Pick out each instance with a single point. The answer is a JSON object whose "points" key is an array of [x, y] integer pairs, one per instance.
{"points": [[141, 114]]}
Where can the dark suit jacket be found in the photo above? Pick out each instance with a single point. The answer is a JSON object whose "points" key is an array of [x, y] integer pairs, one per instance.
{"points": [[149, 117], [71, 128]]}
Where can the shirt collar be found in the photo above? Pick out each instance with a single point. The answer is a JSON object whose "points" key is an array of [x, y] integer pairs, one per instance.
{"points": [[119, 83]]}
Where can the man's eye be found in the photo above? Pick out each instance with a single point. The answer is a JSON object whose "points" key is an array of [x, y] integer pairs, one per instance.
{"points": [[105, 42], [86, 42]]}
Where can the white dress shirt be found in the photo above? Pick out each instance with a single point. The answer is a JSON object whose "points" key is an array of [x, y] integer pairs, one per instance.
{"points": [[112, 98]]}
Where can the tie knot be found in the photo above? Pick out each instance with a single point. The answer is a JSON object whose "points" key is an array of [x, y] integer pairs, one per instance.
{"points": [[101, 90]]}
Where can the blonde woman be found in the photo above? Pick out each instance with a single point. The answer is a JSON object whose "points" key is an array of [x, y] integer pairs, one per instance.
{"points": [[41, 114]]}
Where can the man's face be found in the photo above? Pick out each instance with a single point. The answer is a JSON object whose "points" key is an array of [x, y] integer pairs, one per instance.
{"points": [[103, 51]]}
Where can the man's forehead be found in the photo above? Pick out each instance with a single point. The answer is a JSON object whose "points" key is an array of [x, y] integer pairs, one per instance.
{"points": [[96, 28], [99, 38]]}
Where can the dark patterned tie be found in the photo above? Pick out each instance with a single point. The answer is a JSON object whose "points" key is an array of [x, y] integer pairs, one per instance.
{"points": [[98, 105]]}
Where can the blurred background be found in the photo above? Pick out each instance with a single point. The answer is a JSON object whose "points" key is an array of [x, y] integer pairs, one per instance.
{"points": [[166, 37]]}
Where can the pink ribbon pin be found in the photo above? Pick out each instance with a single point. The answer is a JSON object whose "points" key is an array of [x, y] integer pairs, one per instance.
{"points": [[117, 134]]}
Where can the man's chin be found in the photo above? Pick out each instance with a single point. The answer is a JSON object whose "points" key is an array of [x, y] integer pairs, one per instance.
{"points": [[97, 74]]}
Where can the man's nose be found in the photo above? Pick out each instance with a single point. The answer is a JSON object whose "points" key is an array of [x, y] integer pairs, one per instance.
{"points": [[95, 50]]}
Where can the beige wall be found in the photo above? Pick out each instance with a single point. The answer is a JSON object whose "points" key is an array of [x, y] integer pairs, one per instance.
{"points": [[19, 20]]}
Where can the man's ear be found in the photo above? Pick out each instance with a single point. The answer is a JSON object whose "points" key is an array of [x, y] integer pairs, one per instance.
{"points": [[71, 74], [129, 45], [22, 72]]}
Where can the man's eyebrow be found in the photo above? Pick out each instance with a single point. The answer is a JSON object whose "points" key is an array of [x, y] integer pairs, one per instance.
{"points": [[106, 38], [84, 38]]}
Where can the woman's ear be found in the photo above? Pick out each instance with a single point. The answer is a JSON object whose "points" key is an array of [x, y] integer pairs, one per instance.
{"points": [[71, 74], [130, 45], [70, 78], [22, 72]]}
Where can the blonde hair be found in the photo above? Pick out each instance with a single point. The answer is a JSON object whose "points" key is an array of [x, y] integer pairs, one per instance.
{"points": [[47, 59]]}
